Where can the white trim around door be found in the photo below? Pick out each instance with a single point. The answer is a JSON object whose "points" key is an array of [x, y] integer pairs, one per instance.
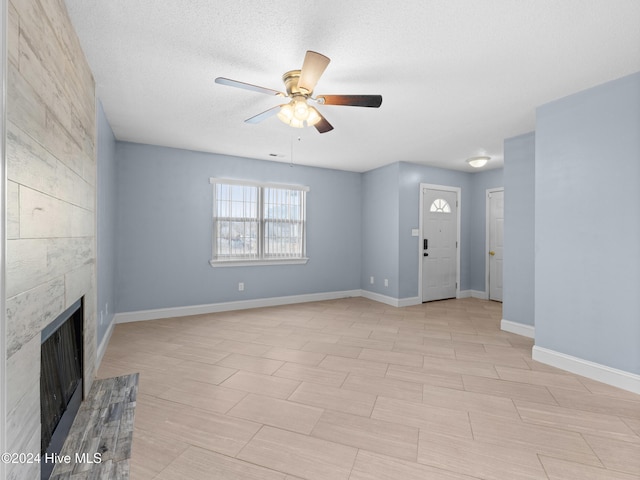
{"points": [[445, 188]]}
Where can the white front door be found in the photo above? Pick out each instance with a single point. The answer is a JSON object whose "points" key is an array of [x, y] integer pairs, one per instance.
{"points": [[439, 244], [496, 229]]}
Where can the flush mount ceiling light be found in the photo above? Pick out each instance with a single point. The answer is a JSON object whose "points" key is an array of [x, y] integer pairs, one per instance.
{"points": [[479, 161], [299, 85]]}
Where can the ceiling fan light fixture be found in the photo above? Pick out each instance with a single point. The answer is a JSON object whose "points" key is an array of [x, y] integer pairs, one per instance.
{"points": [[286, 113], [299, 85], [298, 114], [314, 117], [300, 108], [479, 161]]}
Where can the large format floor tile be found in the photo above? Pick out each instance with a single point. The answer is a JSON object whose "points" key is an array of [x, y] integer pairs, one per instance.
{"points": [[353, 389], [197, 463], [277, 413], [332, 398], [373, 466], [374, 435], [301, 455], [472, 457]]}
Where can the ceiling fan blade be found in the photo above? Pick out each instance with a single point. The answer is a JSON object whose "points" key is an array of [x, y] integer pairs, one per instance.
{"points": [[264, 115], [373, 101], [248, 86], [313, 67], [323, 126]]}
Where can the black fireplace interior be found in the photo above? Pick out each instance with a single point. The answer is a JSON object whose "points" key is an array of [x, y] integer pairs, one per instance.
{"points": [[60, 379]]}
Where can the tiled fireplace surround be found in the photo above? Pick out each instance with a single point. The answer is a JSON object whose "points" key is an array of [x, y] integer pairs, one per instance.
{"points": [[51, 199]]}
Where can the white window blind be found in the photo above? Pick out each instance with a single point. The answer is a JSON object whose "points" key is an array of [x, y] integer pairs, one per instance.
{"points": [[258, 223]]}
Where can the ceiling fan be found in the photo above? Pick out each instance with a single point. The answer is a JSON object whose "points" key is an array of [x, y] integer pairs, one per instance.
{"points": [[299, 85]]}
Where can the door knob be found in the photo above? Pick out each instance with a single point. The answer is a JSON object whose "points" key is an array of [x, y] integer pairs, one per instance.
{"points": [[492, 253]]}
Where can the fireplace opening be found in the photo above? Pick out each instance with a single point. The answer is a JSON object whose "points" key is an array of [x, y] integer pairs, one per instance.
{"points": [[61, 373]]}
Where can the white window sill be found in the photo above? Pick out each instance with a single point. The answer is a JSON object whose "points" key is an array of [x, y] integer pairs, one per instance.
{"points": [[256, 263]]}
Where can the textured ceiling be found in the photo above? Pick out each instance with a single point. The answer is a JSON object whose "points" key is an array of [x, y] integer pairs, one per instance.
{"points": [[457, 76]]}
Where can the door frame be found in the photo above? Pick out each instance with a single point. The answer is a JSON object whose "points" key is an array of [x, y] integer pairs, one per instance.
{"points": [[487, 242], [446, 188]]}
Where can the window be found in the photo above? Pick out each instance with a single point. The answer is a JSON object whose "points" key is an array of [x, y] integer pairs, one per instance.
{"points": [[440, 205], [257, 223]]}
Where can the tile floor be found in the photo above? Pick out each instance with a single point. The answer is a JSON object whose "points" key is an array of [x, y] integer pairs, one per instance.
{"points": [[354, 389]]}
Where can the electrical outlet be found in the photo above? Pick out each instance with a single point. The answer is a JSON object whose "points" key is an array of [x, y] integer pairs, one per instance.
{"points": [[101, 317], [241, 287], [371, 280], [386, 282], [106, 308]]}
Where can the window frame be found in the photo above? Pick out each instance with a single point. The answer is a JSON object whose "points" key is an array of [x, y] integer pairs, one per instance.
{"points": [[260, 259]]}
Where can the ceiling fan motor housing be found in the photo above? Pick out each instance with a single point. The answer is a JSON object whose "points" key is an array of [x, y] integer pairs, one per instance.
{"points": [[290, 80]]}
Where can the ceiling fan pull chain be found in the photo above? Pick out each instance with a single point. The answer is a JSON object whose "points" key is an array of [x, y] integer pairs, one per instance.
{"points": [[291, 157]]}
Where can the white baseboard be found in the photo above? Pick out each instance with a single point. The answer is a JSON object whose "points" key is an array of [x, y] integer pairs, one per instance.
{"points": [[472, 294], [159, 313], [518, 328], [595, 371], [409, 301], [102, 348], [394, 302]]}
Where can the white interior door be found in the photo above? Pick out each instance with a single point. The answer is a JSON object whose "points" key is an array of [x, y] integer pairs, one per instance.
{"points": [[496, 229], [439, 244]]}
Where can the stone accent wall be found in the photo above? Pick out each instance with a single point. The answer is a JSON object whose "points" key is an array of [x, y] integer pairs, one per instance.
{"points": [[51, 204]]}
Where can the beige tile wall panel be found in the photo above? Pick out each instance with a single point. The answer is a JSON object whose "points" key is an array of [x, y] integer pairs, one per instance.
{"points": [[29, 312], [42, 216], [43, 60], [13, 210], [25, 109], [32, 262], [23, 371], [22, 422], [76, 74], [77, 282], [26, 265], [17, 471], [31, 165], [29, 113], [51, 167], [13, 27]]}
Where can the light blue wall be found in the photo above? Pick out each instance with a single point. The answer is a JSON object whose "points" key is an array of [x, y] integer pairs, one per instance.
{"points": [[411, 176], [391, 209], [519, 209], [587, 225], [477, 246], [472, 222], [380, 209], [106, 223], [359, 226], [164, 230]]}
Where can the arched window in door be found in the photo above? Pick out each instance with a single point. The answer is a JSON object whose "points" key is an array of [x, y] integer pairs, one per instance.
{"points": [[440, 205]]}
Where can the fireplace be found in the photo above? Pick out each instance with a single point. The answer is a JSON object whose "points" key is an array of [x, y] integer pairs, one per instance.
{"points": [[61, 378]]}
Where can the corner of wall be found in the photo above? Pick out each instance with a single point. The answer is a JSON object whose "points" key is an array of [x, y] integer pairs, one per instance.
{"points": [[518, 328], [600, 373]]}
